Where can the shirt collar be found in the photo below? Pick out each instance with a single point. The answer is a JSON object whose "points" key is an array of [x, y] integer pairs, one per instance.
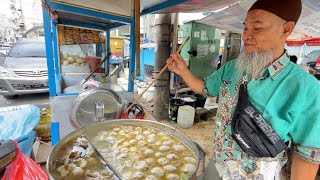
{"points": [[276, 67]]}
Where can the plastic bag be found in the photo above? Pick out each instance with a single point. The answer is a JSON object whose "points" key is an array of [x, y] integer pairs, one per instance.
{"points": [[23, 168]]}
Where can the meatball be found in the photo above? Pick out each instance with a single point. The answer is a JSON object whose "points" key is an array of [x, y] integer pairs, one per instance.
{"points": [[151, 140], [157, 171], [142, 143], [141, 166], [150, 161], [139, 137], [173, 177], [169, 168], [169, 142], [178, 148], [147, 152], [164, 148], [163, 161], [151, 177], [191, 160], [151, 136], [172, 157], [188, 168], [159, 154], [138, 175]]}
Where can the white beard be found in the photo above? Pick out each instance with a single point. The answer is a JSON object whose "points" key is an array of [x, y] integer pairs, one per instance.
{"points": [[253, 63]]}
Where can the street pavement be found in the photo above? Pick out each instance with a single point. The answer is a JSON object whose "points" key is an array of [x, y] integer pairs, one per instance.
{"points": [[41, 100]]}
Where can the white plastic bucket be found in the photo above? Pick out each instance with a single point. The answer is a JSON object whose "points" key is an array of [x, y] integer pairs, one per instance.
{"points": [[186, 116]]}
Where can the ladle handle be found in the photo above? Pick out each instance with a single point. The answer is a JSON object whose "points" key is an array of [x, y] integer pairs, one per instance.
{"points": [[156, 78]]}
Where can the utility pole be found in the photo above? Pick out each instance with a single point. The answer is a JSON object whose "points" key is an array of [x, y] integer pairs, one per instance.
{"points": [[161, 93], [232, 47]]}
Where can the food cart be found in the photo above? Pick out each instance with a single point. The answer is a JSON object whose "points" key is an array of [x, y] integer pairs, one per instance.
{"points": [[77, 33]]}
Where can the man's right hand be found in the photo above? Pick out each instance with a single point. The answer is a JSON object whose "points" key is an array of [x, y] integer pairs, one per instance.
{"points": [[177, 64]]}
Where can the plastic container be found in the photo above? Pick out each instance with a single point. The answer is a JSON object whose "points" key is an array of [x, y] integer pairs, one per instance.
{"points": [[201, 100], [189, 100], [173, 108], [186, 116], [93, 63], [43, 128]]}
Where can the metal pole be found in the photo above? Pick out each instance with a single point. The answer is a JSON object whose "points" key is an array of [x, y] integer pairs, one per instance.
{"points": [[132, 59], [161, 93], [56, 48], [174, 45], [108, 51], [137, 25], [49, 51]]}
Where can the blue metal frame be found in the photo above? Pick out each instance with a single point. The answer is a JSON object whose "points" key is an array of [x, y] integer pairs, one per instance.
{"points": [[132, 60], [108, 51], [90, 26], [115, 25], [49, 51], [55, 133], [55, 48], [52, 48], [87, 12], [164, 5]]}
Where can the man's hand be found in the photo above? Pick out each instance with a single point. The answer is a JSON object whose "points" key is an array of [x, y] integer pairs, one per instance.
{"points": [[302, 170], [177, 64]]}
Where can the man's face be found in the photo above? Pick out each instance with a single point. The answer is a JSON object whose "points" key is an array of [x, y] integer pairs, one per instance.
{"points": [[263, 31]]}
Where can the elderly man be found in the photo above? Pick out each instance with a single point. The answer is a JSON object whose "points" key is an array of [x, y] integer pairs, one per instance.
{"points": [[286, 96]]}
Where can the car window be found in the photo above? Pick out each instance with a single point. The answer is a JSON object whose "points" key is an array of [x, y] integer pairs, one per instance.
{"points": [[28, 49]]}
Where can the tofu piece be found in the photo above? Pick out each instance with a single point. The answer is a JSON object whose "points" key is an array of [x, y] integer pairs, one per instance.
{"points": [[77, 171], [63, 171]]}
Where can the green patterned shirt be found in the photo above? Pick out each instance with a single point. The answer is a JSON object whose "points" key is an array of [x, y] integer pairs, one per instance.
{"points": [[288, 99]]}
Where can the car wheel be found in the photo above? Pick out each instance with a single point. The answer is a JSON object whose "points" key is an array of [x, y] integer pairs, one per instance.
{"points": [[11, 97]]}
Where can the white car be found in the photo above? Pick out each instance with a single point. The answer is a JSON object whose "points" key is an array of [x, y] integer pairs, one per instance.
{"points": [[24, 70]]}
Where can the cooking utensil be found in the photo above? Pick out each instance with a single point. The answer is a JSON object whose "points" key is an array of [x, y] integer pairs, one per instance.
{"points": [[103, 61], [65, 145], [101, 157], [95, 105], [157, 77]]}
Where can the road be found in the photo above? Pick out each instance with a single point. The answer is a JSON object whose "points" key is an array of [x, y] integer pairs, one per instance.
{"points": [[41, 100]]}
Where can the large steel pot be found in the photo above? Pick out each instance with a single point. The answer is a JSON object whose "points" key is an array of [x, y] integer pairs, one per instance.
{"points": [[65, 145]]}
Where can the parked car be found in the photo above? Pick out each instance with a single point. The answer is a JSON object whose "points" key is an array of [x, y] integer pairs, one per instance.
{"points": [[5, 49], [24, 70], [313, 61], [2, 57]]}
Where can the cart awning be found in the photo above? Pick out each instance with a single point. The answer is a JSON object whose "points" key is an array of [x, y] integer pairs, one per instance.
{"points": [[231, 18]]}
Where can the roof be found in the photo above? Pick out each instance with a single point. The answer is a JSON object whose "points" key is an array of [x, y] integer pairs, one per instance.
{"points": [[232, 16]]}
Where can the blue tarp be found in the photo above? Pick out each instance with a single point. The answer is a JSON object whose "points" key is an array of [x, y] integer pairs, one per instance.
{"points": [[16, 121]]}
